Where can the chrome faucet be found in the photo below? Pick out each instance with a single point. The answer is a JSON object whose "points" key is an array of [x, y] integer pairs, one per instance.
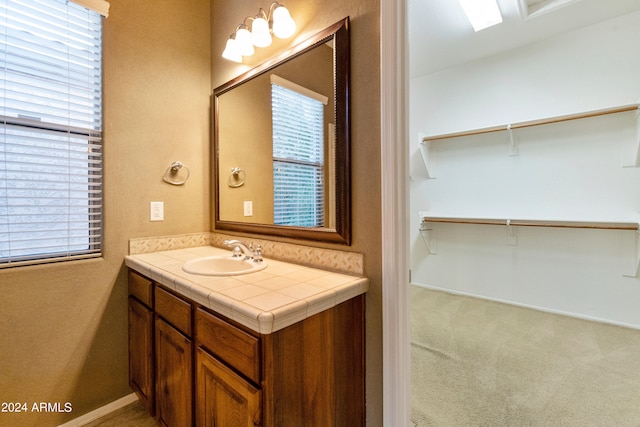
{"points": [[257, 254], [240, 249]]}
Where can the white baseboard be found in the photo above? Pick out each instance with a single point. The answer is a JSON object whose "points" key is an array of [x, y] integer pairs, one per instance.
{"points": [[102, 411], [529, 306]]}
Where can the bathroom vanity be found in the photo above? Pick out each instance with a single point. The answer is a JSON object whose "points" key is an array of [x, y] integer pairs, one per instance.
{"points": [[279, 347]]}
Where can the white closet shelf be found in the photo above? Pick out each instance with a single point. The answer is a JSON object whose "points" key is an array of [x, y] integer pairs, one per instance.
{"points": [[605, 225], [630, 159], [538, 122], [631, 241]]}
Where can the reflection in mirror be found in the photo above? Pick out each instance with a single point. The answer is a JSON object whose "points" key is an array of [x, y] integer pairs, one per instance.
{"points": [[280, 121], [281, 143]]}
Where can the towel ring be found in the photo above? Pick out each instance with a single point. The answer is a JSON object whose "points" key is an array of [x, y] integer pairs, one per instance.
{"points": [[176, 174], [237, 177]]}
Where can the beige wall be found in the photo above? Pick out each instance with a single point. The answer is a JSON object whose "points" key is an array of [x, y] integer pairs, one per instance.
{"points": [[63, 327], [245, 126], [312, 16]]}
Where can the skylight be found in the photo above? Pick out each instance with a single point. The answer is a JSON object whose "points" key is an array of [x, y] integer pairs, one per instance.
{"points": [[482, 13], [533, 8]]}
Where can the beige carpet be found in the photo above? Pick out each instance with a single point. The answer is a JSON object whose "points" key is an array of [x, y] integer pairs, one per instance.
{"points": [[481, 363]]}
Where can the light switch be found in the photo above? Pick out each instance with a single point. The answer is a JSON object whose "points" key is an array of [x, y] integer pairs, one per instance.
{"points": [[248, 208], [156, 211]]}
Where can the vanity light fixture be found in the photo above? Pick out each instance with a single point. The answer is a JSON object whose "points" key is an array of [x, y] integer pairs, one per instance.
{"points": [[231, 50], [482, 13], [277, 21], [243, 40]]}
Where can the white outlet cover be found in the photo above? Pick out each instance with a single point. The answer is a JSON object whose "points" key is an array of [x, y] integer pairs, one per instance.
{"points": [[156, 211], [248, 208]]}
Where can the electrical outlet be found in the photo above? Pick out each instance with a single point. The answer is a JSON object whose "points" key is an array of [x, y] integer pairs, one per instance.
{"points": [[248, 208], [156, 211]]}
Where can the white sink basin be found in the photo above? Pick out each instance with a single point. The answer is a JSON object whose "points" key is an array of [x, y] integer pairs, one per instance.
{"points": [[222, 266]]}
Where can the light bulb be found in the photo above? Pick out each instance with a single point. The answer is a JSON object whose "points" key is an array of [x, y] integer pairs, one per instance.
{"points": [[283, 25], [231, 51], [243, 42], [260, 35]]}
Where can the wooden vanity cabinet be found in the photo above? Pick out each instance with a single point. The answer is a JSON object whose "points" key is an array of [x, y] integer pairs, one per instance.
{"points": [[160, 351], [308, 374], [141, 340], [223, 398], [313, 370], [174, 359], [212, 371], [227, 373]]}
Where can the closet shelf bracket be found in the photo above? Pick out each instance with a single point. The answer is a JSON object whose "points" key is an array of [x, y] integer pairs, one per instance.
{"points": [[512, 235], [631, 253], [424, 147], [513, 147], [631, 158], [429, 237], [635, 160]]}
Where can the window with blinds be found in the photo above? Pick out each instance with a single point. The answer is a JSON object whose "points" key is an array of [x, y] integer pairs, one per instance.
{"points": [[298, 158], [50, 131]]}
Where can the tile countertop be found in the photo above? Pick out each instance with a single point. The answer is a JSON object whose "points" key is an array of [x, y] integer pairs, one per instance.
{"points": [[265, 301]]}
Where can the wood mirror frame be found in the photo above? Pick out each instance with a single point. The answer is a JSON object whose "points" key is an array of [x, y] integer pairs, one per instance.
{"points": [[341, 233]]}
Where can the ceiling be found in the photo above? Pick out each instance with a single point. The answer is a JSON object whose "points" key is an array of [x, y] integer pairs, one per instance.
{"points": [[440, 36]]}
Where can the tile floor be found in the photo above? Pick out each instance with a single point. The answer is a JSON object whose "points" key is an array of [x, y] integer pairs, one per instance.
{"points": [[132, 416]]}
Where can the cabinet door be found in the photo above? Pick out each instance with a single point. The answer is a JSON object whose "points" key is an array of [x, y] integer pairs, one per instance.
{"points": [[174, 396], [224, 399], [141, 353]]}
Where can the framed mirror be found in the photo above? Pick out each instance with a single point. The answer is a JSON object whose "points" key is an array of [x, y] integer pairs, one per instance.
{"points": [[281, 139]]}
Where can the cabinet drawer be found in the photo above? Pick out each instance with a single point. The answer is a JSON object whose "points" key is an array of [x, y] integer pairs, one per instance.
{"points": [[141, 288], [235, 347], [174, 310]]}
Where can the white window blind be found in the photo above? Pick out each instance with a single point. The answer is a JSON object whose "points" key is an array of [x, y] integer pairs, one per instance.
{"points": [[298, 157], [50, 131]]}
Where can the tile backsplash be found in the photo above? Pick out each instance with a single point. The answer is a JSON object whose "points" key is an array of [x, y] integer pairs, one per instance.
{"points": [[329, 259], [166, 243]]}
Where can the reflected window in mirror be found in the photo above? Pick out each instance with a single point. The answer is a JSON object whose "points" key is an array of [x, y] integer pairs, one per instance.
{"points": [[298, 154]]}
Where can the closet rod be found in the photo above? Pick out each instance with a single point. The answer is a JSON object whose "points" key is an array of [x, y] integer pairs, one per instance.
{"points": [[550, 120], [537, 223]]}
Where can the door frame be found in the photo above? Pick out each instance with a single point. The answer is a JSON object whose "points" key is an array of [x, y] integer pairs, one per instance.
{"points": [[395, 211]]}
